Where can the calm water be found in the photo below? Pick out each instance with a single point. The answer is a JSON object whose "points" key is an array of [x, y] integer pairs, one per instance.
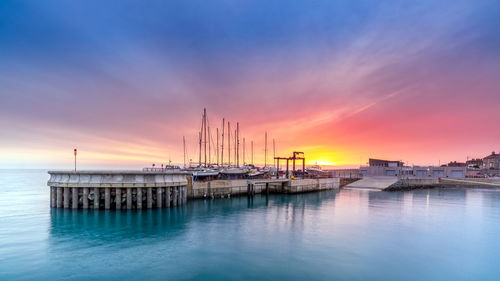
{"points": [[346, 235]]}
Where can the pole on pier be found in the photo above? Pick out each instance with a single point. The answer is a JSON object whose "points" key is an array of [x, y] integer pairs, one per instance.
{"points": [[74, 152]]}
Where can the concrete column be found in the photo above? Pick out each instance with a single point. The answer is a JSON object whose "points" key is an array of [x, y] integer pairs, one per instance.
{"points": [[107, 198], [181, 195], [74, 201], [96, 198], [167, 197], [139, 198], [149, 197], [185, 199], [158, 196], [129, 198], [53, 197], [174, 196], [85, 197], [59, 197], [66, 198], [118, 198]]}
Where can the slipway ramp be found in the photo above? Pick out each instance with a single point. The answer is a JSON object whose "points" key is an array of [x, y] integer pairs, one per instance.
{"points": [[375, 183]]}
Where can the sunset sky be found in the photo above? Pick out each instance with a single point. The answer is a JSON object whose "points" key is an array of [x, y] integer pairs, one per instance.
{"points": [[341, 81]]}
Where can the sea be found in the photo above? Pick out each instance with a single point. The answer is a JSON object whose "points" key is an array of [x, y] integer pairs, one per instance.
{"points": [[435, 234]]}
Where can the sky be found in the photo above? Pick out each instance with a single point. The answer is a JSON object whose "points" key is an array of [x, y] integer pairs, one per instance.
{"points": [[342, 81]]}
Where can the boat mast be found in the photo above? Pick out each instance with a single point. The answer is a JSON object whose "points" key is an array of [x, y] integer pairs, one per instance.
{"points": [[238, 144], [184, 149], [205, 132], [251, 148], [265, 151], [222, 148], [235, 148], [199, 136], [209, 147], [274, 153], [217, 147], [244, 152], [229, 143]]}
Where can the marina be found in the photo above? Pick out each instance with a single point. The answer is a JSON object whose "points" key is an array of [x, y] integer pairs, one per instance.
{"points": [[146, 190]]}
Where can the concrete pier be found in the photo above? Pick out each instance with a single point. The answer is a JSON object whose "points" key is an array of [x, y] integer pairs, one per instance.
{"points": [[117, 189], [143, 189]]}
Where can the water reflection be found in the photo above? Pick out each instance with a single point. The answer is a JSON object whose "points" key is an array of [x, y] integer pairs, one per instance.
{"points": [[109, 226]]}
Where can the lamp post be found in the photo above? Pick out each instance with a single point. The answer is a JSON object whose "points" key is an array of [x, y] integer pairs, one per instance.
{"points": [[74, 152]]}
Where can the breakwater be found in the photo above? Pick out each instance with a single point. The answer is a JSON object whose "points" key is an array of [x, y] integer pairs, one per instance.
{"points": [[139, 189]]}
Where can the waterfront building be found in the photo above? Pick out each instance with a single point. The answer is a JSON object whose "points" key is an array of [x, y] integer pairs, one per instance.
{"points": [[492, 161], [384, 163]]}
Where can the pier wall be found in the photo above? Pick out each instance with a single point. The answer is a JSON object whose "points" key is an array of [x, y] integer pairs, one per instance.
{"points": [[117, 189], [223, 188]]}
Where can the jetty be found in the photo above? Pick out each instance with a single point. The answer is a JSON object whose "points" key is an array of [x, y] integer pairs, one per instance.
{"points": [[408, 183], [151, 189]]}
